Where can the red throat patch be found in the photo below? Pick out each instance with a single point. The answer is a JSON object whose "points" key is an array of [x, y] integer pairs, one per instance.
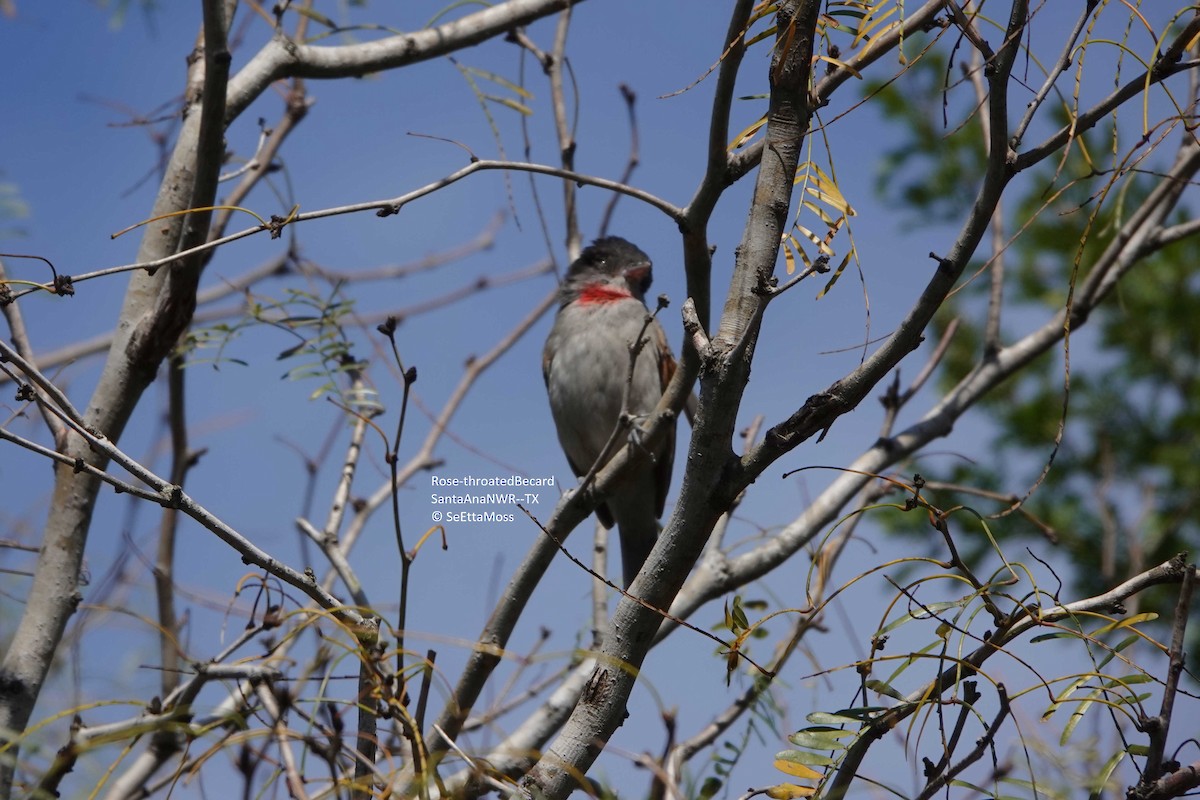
{"points": [[601, 293]]}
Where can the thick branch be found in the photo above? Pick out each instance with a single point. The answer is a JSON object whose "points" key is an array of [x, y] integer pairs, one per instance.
{"points": [[285, 58], [157, 309], [822, 410], [602, 705]]}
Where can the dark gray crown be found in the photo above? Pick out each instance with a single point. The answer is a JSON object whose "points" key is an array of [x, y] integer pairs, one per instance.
{"points": [[610, 255]]}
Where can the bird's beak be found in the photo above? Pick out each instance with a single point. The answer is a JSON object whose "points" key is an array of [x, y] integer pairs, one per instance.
{"points": [[638, 277]]}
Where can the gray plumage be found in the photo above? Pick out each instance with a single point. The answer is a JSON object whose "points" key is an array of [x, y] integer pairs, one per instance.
{"points": [[585, 364]]}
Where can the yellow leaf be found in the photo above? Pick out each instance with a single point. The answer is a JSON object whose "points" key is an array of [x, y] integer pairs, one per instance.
{"points": [[787, 791], [520, 108], [820, 212], [838, 63], [797, 770], [837, 273], [812, 237], [1136, 619], [792, 245], [869, 23], [747, 134], [501, 80]]}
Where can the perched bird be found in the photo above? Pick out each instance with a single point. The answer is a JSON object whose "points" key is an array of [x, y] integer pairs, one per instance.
{"points": [[602, 310]]}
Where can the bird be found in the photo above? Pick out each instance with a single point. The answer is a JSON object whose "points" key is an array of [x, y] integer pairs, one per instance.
{"points": [[585, 363]]}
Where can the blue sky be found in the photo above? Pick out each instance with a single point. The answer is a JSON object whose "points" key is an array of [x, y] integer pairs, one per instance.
{"points": [[74, 84]]}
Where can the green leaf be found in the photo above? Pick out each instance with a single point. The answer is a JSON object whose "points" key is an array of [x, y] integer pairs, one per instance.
{"points": [[804, 758], [1100, 780], [847, 716], [821, 738], [884, 689], [922, 614], [710, 787]]}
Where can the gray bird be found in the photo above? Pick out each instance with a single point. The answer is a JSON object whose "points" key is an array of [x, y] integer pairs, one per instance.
{"points": [[585, 363]]}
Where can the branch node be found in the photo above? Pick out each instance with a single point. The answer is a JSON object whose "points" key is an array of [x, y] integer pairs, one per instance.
{"points": [[691, 324], [173, 496]]}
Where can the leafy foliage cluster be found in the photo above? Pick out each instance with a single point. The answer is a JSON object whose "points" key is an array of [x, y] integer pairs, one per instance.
{"points": [[1117, 489]]}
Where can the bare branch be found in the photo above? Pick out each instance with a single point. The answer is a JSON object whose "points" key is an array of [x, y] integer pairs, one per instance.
{"points": [[283, 57]]}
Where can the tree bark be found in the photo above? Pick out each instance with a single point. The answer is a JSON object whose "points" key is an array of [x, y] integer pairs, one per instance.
{"points": [[724, 371], [158, 304]]}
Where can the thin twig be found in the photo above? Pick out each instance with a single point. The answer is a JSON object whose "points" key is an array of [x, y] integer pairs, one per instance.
{"points": [[168, 494], [981, 746], [729, 648], [386, 208], [1159, 727], [564, 129], [631, 163], [20, 340]]}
